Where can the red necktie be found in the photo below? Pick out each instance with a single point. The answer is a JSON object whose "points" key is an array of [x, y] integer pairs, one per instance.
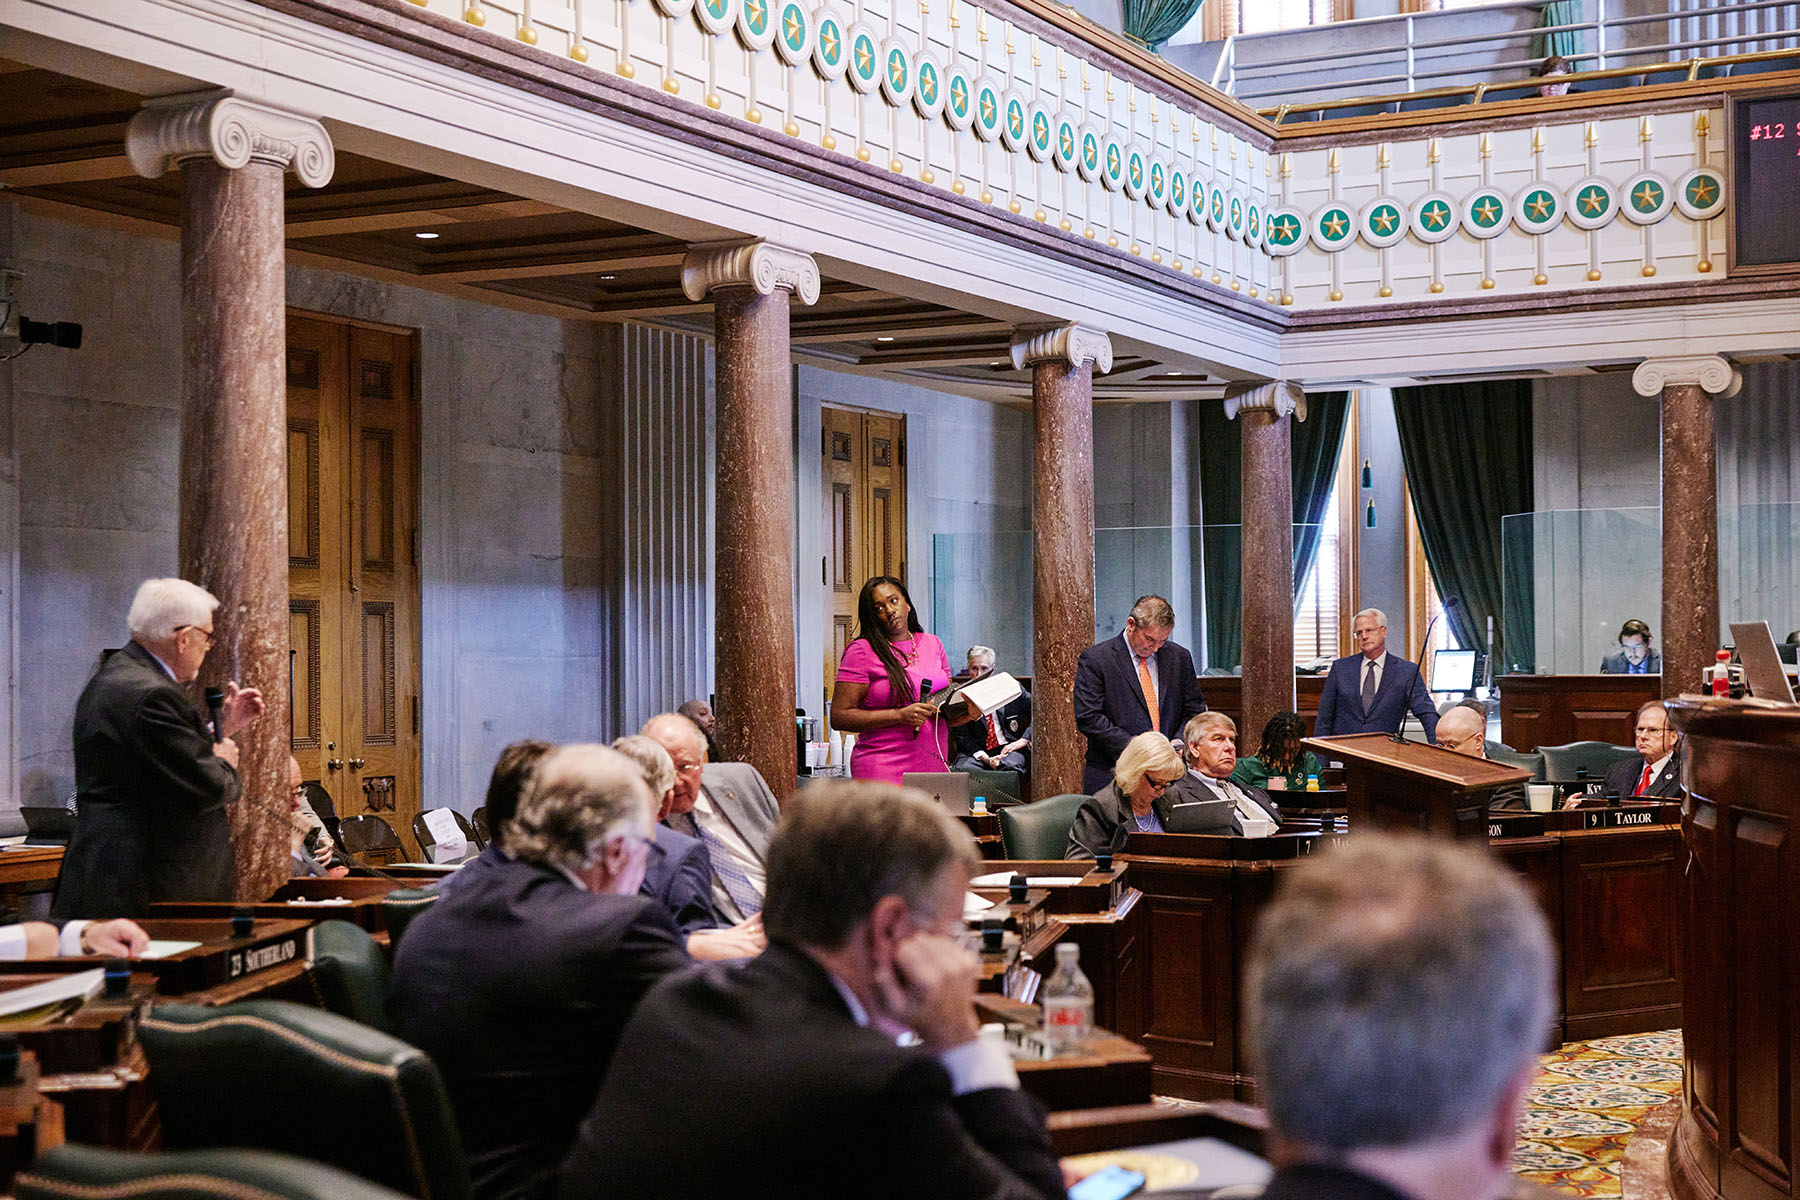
{"points": [[993, 728], [1643, 786]]}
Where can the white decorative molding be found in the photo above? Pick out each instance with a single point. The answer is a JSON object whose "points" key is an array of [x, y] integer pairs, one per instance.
{"points": [[232, 132], [1283, 397], [760, 265], [1074, 344], [1709, 372]]}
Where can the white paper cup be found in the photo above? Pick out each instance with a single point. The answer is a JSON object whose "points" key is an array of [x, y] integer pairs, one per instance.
{"points": [[1543, 796]]}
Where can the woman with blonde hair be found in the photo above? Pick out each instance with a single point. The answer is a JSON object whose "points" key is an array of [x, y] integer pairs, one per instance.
{"points": [[1132, 802]]}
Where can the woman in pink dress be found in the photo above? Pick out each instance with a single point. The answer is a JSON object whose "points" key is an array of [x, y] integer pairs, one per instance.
{"points": [[879, 683]]}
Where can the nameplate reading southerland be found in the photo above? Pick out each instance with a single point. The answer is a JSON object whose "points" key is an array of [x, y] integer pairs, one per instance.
{"points": [[248, 962]]}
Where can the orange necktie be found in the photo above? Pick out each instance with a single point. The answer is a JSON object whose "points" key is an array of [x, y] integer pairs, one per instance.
{"points": [[1149, 686]]}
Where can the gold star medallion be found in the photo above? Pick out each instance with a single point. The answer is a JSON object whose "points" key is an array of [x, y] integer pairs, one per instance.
{"points": [[1593, 202], [1540, 206], [1384, 219], [1701, 192], [791, 27], [1436, 215], [897, 71], [1487, 212], [1647, 197], [1333, 225]]}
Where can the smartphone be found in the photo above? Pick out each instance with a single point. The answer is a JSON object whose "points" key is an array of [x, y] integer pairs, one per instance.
{"points": [[1109, 1183]]}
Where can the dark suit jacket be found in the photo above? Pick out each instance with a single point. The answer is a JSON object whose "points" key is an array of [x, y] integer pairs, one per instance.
{"points": [[1622, 778], [1402, 691], [1616, 664], [1307, 1181], [517, 984], [1188, 789], [1014, 719], [1110, 708], [678, 876], [754, 1081], [151, 821]]}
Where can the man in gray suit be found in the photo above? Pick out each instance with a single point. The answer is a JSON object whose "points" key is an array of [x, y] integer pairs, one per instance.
{"points": [[1634, 655], [728, 806]]}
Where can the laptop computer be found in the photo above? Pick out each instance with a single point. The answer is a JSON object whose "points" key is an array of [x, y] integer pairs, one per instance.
{"points": [[1200, 816], [1763, 673], [948, 788], [48, 825]]}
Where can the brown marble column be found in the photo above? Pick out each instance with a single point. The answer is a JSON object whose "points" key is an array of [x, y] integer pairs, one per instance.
{"points": [[233, 157], [754, 582], [1690, 510], [1267, 548], [1063, 360]]}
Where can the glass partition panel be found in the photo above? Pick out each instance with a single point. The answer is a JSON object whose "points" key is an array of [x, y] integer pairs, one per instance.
{"points": [[1759, 567], [981, 588], [1573, 576]]}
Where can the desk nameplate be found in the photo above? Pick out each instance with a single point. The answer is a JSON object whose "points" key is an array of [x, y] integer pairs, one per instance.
{"points": [[219, 959]]}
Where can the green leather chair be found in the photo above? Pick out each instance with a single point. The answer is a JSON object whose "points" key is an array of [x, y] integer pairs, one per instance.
{"points": [[1533, 762], [1000, 787], [350, 974], [400, 906], [90, 1173], [270, 1075], [1564, 764], [1039, 829]]}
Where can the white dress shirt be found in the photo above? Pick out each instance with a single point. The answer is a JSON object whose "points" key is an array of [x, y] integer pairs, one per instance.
{"points": [[720, 826], [974, 1066], [68, 943]]}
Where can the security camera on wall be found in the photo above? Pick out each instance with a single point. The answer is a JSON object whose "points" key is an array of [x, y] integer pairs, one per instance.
{"points": [[19, 333]]}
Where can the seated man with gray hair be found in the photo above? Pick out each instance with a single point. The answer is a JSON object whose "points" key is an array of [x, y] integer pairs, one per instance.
{"points": [[1209, 744], [781, 1079], [998, 741], [518, 981], [152, 779], [1397, 994]]}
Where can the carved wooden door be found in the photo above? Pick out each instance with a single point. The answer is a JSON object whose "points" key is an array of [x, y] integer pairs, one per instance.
{"points": [[353, 569], [863, 509]]}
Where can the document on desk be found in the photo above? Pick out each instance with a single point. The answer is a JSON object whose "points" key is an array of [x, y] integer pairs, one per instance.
{"points": [[1003, 878], [974, 906], [79, 987], [164, 949]]}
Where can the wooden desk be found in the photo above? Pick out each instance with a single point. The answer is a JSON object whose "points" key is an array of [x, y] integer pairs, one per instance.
{"points": [[1739, 1130], [298, 899], [1554, 710], [1610, 895], [986, 828], [30, 868], [222, 968], [1108, 1070]]}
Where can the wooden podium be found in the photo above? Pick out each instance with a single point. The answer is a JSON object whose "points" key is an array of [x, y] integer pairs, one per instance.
{"points": [[1738, 1135], [1394, 784]]}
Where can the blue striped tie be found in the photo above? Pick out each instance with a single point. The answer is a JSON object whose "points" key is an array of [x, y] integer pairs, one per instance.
{"points": [[737, 884]]}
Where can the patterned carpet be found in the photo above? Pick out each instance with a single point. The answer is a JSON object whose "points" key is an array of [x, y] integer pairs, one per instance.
{"points": [[1586, 1104]]}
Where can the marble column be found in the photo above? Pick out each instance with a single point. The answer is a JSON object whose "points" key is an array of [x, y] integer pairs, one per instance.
{"points": [[1690, 510], [233, 156], [1267, 548], [1062, 359], [751, 285]]}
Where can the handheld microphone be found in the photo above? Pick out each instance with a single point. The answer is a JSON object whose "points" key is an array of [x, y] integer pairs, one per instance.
{"points": [[215, 704], [924, 694]]}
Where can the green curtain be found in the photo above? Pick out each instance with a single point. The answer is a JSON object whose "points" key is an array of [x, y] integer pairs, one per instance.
{"points": [[1466, 449], [1316, 443], [1567, 43], [1154, 22]]}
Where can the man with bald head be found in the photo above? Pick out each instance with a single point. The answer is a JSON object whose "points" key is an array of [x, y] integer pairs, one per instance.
{"points": [[728, 806], [1464, 730]]}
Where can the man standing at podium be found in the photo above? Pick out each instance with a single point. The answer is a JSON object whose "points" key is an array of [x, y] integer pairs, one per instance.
{"points": [[1132, 684], [1371, 691]]}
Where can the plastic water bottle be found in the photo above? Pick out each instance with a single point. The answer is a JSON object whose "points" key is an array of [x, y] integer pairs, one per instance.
{"points": [[1068, 1001], [1312, 783]]}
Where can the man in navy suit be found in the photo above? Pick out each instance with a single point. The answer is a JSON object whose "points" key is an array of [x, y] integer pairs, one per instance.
{"points": [[1123, 680], [1372, 691]]}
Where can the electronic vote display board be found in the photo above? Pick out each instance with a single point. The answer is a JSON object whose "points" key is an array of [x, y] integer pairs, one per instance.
{"points": [[1765, 168]]}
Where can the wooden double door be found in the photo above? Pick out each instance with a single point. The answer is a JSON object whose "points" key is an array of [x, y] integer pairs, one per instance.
{"points": [[864, 509], [353, 576]]}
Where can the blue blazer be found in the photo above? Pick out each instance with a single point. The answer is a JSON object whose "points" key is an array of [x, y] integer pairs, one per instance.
{"points": [[678, 876], [1401, 691], [1110, 708]]}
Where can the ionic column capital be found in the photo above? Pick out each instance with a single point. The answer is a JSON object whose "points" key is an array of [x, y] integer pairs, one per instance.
{"points": [[763, 266], [1710, 373], [1282, 397], [1075, 345], [231, 131]]}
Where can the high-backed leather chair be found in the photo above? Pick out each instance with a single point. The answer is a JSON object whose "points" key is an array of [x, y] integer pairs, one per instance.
{"points": [[1533, 762], [1000, 787], [1039, 829], [90, 1173], [1565, 764], [369, 840], [350, 974], [270, 1075], [400, 906]]}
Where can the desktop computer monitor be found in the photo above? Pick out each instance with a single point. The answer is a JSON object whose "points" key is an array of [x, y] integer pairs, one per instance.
{"points": [[1453, 671]]}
